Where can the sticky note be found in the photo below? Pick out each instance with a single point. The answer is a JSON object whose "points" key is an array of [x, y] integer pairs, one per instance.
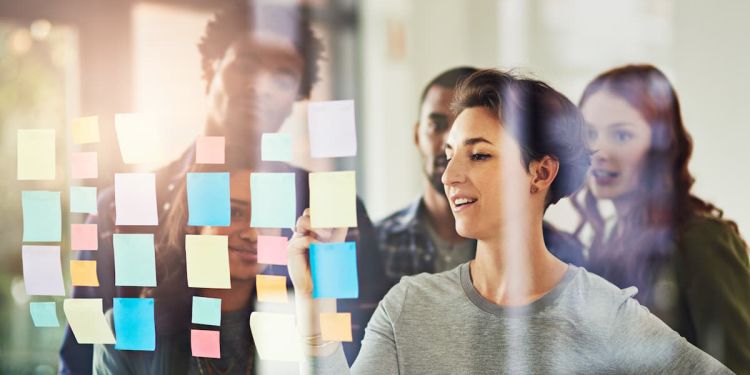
{"points": [[84, 237], [85, 130], [134, 323], [331, 128], [84, 165], [135, 259], [209, 150], [137, 137], [271, 288], [333, 199], [272, 250], [44, 314], [275, 336], [135, 199], [336, 326], [86, 320], [36, 154], [206, 311], [207, 261], [208, 199], [42, 216], [205, 343], [83, 273], [333, 267], [276, 147], [83, 199], [42, 270], [273, 200]]}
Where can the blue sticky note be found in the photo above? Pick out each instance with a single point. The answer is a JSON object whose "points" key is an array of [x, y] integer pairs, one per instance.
{"points": [[207, 311], [83, 199], [134, 323], [273, 200], [44, 314], [42, 216], [276, 147], [135, 260], [208, 199], [334, 270]]}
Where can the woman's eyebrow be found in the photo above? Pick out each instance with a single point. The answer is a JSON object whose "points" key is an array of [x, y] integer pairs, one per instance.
{"points": [[475, 140]]}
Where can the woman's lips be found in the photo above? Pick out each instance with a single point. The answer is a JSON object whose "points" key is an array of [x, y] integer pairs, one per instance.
{"points": [[604, 178], [247, 255]]}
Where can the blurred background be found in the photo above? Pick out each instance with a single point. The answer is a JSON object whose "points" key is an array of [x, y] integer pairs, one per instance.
{"points": [[64, 59]]}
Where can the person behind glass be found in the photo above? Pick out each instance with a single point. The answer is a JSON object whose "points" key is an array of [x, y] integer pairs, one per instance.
{"points": [[422, 236], [257, 60], [173, 298], [689, 264], [516, 147]]}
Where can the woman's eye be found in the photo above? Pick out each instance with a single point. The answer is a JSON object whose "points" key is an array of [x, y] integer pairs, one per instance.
{"points": [[623, 136], [477, 157]]}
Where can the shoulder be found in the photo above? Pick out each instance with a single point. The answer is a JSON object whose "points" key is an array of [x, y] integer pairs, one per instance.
{"points": [[424, 288], [706, 239]]}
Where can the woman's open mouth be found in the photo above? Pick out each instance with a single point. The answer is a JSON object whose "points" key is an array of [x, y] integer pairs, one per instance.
{"points": [[462, 203], [603, 177]]}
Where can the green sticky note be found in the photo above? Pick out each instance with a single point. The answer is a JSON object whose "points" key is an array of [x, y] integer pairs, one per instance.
{"points": [[273, 200], [207, 311], [135, 260], [36, 154], [42, 217], [44, 314], [83, 199], [276, 147]]}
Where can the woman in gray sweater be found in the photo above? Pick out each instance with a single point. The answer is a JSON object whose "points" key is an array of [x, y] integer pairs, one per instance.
{"points": [[516, 147]]}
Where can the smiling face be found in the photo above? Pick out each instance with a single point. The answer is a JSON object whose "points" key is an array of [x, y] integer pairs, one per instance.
{"points": [[243, 240], [620, 139], [485, 180]]}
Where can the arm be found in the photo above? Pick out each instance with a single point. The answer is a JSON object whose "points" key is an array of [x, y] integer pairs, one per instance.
{"points": [[107, 360], [716, 275]]}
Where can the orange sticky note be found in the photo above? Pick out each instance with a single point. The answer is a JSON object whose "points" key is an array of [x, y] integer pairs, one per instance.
{"points": [[272, 250], [85, 130], [271, 288], [209, 150], [84, 237], [205, 343], [84, 165], [336, 326], [83, 273]]}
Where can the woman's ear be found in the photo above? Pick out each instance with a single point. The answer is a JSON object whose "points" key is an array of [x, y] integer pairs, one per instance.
{"points": [[543, 173]]}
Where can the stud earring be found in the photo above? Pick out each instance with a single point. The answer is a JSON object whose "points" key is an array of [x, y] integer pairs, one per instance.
{"points": [[534, 189]]}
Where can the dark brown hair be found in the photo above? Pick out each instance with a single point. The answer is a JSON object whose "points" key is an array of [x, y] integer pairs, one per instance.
{"points": [[542, 120]]}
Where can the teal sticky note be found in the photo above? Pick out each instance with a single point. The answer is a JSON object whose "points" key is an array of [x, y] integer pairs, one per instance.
{"points": [[333, 267], [273, 200], [42, 216], [44, 314], [134, 323], [208, 199], [83, 199], [207, 311], [276, 147], [135, 263]]}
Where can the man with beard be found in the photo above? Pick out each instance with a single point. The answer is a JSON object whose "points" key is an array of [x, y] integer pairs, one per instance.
{"points": [[422, 236]]}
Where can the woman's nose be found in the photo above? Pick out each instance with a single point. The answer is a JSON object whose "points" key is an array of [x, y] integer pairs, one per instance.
{"points": [[453, 173]]}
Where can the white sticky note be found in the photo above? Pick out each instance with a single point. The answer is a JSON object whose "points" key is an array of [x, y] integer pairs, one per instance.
{"points": [[135, 199], [42, 271], [86, 320], [138, 138], [36, 154], [276, 337], [276, 147], [332, 130]]}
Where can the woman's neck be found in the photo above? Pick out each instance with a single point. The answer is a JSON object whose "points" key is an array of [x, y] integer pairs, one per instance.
{"points": [[515, 268], [233, 299]]}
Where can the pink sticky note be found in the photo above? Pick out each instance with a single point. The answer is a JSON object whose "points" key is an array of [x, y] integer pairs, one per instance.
{"points": [[84, 237], [272, 250], [209, 150], [205, 343], [84, 165]]}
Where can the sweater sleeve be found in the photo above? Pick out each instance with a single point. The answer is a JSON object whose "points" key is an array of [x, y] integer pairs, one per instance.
{"points": [[716, 285], [107, 360]]}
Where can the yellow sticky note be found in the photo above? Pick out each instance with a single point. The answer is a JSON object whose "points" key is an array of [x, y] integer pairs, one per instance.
{"points": [[83, 273], [86, 319], [207, 261], [36, 154], [85, 130], [271, 288], [336, 326], [333, 199], [275, 336]]}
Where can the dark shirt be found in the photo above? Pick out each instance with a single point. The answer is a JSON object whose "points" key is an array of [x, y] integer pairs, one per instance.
{"points": [[77, 358], [407, 249]]}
